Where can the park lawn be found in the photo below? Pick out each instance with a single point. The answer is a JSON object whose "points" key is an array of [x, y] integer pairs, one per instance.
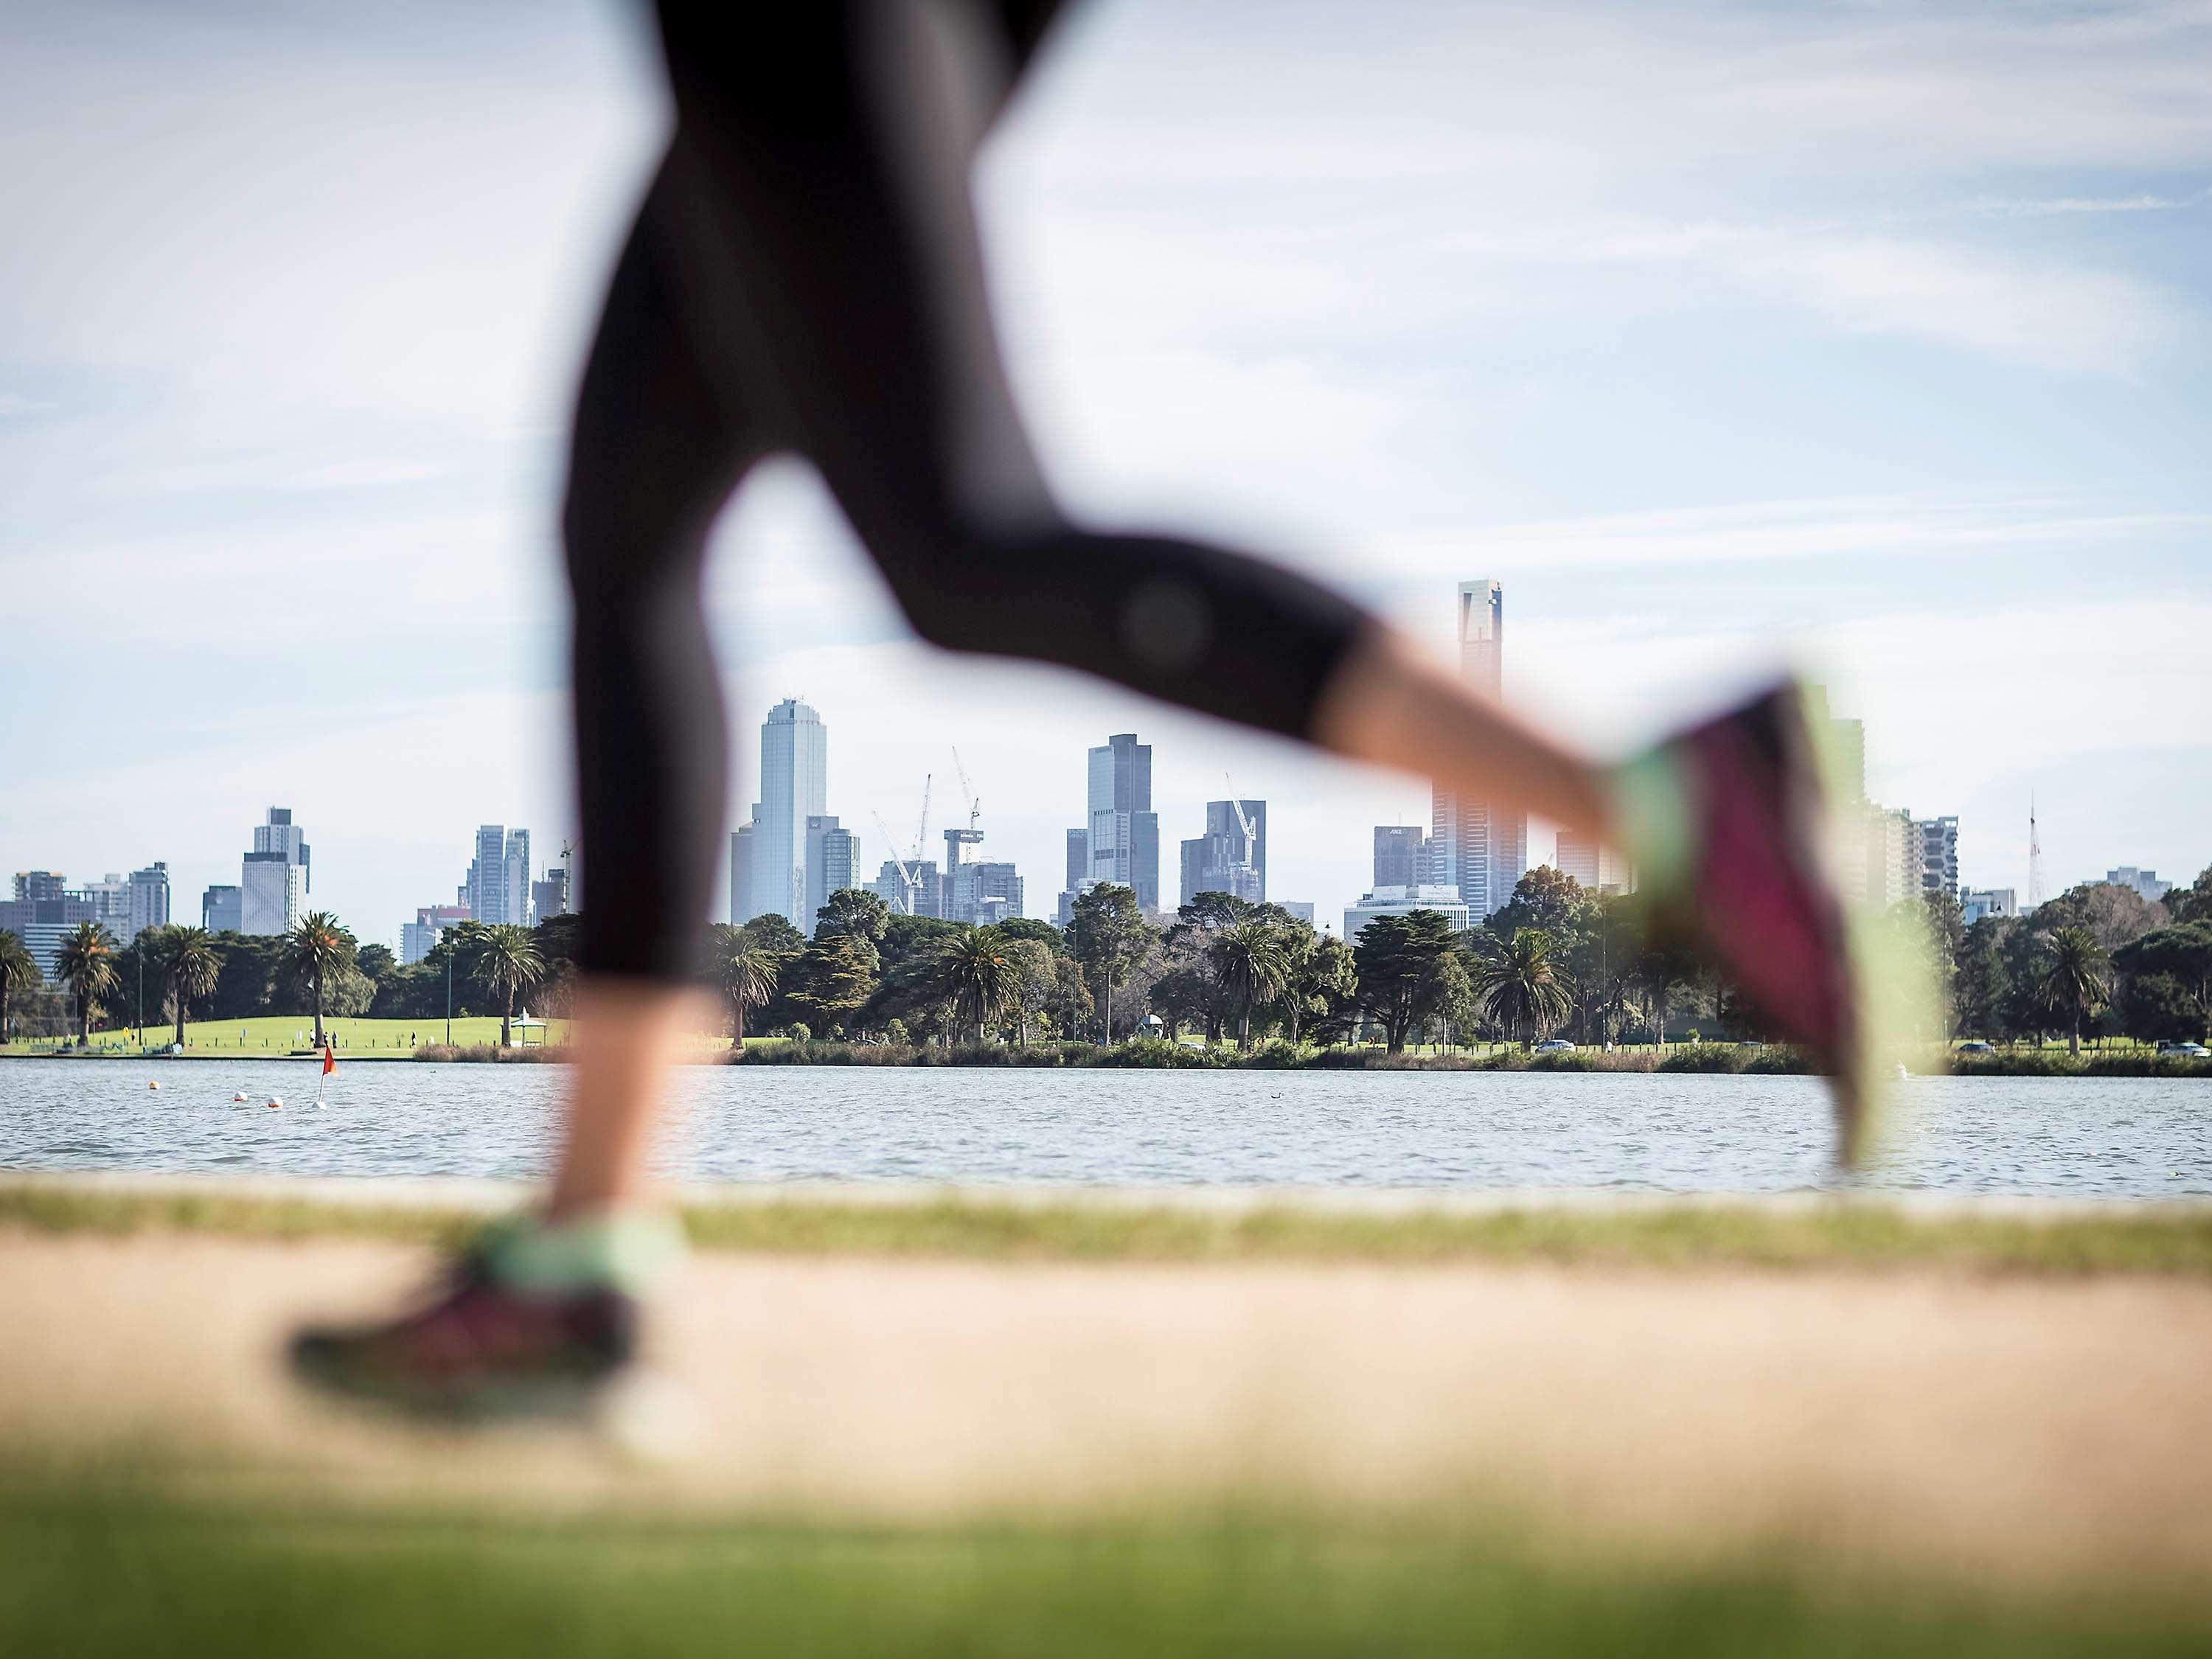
{"points": [[102, 1566], [279, 1034]]}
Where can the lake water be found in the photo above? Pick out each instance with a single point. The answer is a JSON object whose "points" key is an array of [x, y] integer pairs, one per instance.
{"points": [[2117, 1138]]}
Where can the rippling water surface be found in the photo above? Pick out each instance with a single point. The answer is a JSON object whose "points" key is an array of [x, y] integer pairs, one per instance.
{"points": [[2087, 1138]]}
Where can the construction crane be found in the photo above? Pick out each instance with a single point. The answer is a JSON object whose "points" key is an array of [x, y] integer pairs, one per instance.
{"points": [[908, 885], [967, 792], [1243, 823], [922, 830]]}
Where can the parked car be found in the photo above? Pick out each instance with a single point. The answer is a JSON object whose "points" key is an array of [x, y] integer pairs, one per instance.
{"points": [[2185, 1050], [1976, 1047], [1555, 1046]]}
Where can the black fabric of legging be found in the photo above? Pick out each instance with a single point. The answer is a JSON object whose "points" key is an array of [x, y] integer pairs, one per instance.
{"points": [[804, 277]]}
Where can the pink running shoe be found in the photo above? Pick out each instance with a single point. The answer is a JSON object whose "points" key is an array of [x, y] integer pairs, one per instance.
{"points": [[1730, 823], [480, 1349]]}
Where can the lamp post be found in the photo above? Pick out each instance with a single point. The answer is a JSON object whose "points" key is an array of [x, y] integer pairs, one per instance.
{"points": [[449, 998]]}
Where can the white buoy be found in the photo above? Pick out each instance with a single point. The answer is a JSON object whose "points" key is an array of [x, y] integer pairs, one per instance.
{"points": [[275, 1103], [239, 1099]]}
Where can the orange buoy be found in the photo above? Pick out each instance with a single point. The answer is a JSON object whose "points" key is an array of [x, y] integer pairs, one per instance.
{"points": [[151, 1084]]}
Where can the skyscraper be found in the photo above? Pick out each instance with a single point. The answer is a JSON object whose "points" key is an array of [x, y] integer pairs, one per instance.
{"points": [[741, 869], [517, 878], [1226, 858], [150, 898], [1401, 854], [1480, 848], [1592, 863], [485, 892], [222, 910], [1939, 855], [833, 860], [794, 787], [274, 875], [1122, 839]]}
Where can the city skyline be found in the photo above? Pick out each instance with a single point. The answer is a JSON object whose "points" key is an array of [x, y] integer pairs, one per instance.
{"points": [[1911, 387]]}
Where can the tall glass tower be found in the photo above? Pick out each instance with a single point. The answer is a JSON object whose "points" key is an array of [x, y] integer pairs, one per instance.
{"points": [[1124, 840], [1479, 848], [794, 783]]}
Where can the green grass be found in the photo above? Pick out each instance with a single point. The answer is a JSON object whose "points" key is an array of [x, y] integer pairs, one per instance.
{"points": [[277, 1034], [1862, 1235], [97, 1570]]}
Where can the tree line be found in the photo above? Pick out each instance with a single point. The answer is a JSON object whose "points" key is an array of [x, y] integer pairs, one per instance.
{"points": [[2098, 960]]}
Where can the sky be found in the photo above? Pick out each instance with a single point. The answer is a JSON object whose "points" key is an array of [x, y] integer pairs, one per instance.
{"points": [[1865, 337]]}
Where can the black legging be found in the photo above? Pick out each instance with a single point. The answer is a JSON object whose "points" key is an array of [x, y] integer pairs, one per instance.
{"points": [[805, 276]]}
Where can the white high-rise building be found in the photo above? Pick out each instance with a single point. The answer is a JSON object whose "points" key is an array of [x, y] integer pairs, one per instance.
{"points": [[150, 898], [794, 787], [2145, 883], [1592, 863], [517, 878], [1939, 853], [1478, 849], [275, 876], [1403, 902], [485, 890]]}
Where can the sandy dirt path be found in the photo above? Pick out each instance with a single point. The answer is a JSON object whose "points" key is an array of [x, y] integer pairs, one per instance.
{"points": [[1960, 1424]]}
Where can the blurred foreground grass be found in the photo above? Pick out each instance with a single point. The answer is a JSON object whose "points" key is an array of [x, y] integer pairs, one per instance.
{"points": [[1856, 1232], [107, 1568]]}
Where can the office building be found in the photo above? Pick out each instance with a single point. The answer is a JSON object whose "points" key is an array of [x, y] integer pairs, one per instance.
{"points": [[1939, 855], [741, 870], [1301, 908], [1401, 854], [43, 913], [922, 895], [1975, 902], [418, 938], [487, 892], [150, 899], [110, 898], [1480, 848], [1231, 856], [833, 863], [1404, 901], [2142, 882], [1121, 838], [794, 780], [221, 910], [276, 877], [548, 895], [517, 878], [982, 891], [1590, 862]]}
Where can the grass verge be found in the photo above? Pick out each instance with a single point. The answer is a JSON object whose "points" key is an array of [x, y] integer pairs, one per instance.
{"points": [[99, 1568], [1854, 1234]]}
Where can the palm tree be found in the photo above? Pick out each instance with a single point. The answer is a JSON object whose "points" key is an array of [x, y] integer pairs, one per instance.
{"points": [[19, 971], [976, 976], [746, 972], [2074, 980], [508, 963], [319, 947], [1252, 966], [188, 956], [1522, 986], [86, 963]]}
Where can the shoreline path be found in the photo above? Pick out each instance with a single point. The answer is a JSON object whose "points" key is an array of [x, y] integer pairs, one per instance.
{"points": [[1958, 1422]]}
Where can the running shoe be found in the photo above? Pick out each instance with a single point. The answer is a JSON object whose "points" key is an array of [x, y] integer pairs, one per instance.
{"points": [[480, 1349], [1736, 822]]}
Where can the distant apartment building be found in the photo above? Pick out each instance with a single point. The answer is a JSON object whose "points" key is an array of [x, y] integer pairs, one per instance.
{"points": [[1882, 864], [919, 890], [1846, 741], [1401, 854], [43, 913], [418, 938], [1301, 908], [150, 898], [1404, 901], [1231, 856], [833, 860], [275, 877], [1480, 847], [2144, 882], [111, 905], [1975, 902], [517, 878], [548, 895], [1592, 863], [222, 910], [741, 869], [1939, 855]]}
